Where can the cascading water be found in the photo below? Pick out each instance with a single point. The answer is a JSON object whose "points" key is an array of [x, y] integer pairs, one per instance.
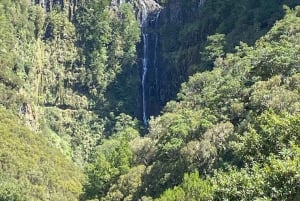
{"points": [[200, 3], [154, 90], [149, 15], [145, 60]]}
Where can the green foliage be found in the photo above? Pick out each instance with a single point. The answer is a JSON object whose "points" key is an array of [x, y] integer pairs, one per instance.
{"points": [[187, 28], [8, 54], [11, 190], [108, 42], [174, 129], [275, 180], [30, 163], [75, 132], [127, 185], [62, 69], [237, 126], [213, 49], [232, 133], [269, 134], [192, 188], [113, 159]]}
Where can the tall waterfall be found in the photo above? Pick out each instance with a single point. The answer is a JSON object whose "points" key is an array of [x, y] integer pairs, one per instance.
{"points": [[201, 2], [145, 59], [150, 11]]}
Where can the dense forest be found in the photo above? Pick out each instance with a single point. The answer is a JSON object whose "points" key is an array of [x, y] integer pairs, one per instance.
{"points": [[221, 89]]}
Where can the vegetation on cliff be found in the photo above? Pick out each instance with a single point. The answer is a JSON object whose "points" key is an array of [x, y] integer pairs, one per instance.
{"points": [[232, 133], [185, 26], [70, 100]]}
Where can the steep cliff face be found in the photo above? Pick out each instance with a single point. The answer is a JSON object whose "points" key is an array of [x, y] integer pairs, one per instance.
{"points": [[176, 32], [183, 29], [164, 77], [69, 77], [179, 11], [164, 24]]}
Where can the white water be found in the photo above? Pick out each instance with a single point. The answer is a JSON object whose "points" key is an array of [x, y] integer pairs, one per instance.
{"points": [[145, 69], [201, 2], [145, 60], [149, 7]]}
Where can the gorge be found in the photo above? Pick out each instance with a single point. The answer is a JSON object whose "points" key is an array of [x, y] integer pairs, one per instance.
{"points": [[149, 100]]}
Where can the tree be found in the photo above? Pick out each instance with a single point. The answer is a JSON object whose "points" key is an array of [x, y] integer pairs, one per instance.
{"points": [[192, 188], [213, 49]]}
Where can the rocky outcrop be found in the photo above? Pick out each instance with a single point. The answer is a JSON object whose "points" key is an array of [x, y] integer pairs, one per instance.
{"points": [[28, 115], [176, 12], [152, 8], [171, 70]]}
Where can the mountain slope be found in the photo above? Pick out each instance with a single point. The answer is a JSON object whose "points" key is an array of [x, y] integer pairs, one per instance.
{"points": [[31, 169], [186, 24], [229, 125]]}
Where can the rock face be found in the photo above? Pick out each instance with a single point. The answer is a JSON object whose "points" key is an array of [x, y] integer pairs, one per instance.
{"points": [[177, 11], [139, 6], [174, 15], [148, 14], [160, 81], [151, 5], [27, 114]]}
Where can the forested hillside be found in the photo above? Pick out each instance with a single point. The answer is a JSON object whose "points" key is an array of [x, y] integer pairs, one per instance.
{"points": [[31, 169], [223, 81], [185, 25]]}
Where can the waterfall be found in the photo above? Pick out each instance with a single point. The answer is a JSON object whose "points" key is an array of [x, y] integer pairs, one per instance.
{"points": [[200, 3], [155, 52], [149, 14], [145, 60]]}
